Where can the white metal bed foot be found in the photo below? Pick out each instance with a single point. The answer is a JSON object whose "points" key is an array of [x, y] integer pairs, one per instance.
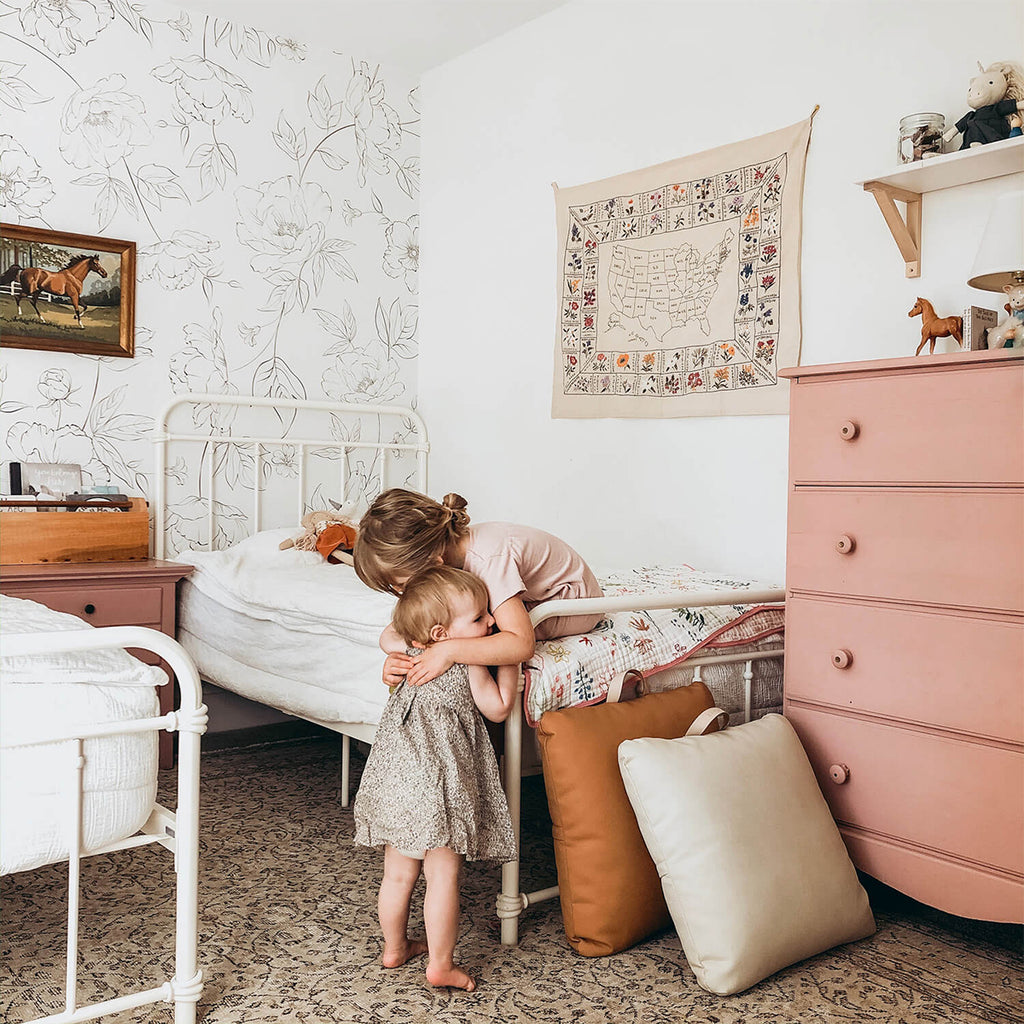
{"points": [[510, 903], [346, 756], [508, 910], [510, 907], [185, 995]]}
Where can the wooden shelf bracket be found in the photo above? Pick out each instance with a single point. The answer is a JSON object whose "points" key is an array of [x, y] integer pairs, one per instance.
{"points": [[906, 232]]}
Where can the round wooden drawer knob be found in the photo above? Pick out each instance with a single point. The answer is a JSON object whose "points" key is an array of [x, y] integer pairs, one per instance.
{"points": [[845, 544], [842, 658], [89, 609], [849, 430], [839, 773]]}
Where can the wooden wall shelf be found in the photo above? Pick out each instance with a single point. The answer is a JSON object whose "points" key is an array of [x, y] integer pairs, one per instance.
{"points": [[907, 184]]}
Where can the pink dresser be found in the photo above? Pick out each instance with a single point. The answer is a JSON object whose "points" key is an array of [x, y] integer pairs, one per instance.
{"points": [[905, 618]]}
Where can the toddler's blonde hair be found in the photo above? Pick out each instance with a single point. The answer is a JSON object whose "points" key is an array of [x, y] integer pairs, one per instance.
{"points": [[403, 533], [426, 601]]}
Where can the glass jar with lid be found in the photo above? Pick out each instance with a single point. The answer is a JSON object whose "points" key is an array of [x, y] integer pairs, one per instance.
{"points": [[920, 136]]}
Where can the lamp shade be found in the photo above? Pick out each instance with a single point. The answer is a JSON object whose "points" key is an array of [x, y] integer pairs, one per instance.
{"points": [[1000, 258]]}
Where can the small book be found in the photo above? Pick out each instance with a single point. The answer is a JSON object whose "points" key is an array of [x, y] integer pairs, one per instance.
{"points": [[977, 321]]}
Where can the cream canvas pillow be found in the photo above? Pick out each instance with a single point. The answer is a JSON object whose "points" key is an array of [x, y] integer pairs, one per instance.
{"points": [[755, 873]]}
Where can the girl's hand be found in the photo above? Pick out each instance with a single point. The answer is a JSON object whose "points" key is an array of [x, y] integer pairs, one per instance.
{"points": [[430, 664], [396, 668]]}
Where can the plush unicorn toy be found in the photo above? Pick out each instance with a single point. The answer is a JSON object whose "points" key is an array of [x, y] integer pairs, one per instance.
{"points": [[993, 96]]}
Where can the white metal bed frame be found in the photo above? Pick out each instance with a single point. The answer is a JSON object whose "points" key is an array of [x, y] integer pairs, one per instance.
{"points": [[163, 437], [510, 901], [177, 831]]}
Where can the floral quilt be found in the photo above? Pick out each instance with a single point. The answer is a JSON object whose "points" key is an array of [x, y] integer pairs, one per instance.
{"points": [[576, 670]]}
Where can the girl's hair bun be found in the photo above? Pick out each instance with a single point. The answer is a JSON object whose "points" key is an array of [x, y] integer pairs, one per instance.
{"points": [[455, 505]]}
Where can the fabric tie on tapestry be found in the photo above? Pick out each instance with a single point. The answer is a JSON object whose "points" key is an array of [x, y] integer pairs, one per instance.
{"points": [[679, 285]]}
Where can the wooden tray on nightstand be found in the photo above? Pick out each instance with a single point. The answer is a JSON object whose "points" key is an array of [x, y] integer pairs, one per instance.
{"points": [[48, 536]]}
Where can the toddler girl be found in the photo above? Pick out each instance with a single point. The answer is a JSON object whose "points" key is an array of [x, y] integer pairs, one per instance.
{"points": [[430, 792], [404, 532]]}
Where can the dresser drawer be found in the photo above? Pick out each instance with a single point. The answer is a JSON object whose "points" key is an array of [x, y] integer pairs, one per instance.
{"points": [[942, 794], [958, 547], [910, 427], [103, 606], [907, 663]]}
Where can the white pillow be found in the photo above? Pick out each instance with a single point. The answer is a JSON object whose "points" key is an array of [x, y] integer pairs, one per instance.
{"points": [[755, 873]]}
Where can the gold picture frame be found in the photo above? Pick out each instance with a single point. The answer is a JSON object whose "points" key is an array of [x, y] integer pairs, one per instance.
{"points": [[47, 279]]}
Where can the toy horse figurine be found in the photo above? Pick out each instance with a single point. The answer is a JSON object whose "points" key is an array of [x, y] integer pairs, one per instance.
{"points": [[933, 327]]}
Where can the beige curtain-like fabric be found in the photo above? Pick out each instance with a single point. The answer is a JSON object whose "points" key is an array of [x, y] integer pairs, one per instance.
{"points": [[679, 285]]}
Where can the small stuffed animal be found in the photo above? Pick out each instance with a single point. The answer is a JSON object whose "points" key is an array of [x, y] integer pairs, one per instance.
{"points": [[333, 534], [1009, 333], [993, 96]]}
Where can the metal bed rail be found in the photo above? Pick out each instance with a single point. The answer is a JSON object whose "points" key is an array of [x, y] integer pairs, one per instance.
{"points": [[262, 443], [177, 831]]}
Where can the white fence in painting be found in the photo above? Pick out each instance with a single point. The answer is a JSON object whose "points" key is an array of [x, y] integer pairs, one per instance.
{"points": [[14, 290]]}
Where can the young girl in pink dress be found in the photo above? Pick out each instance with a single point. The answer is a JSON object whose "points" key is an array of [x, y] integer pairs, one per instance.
{"points": [[404, 532]]}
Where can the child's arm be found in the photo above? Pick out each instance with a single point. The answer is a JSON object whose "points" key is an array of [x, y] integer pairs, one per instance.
{"points": [[494, 697], [514, 644], [397, 664], [391, 642]]}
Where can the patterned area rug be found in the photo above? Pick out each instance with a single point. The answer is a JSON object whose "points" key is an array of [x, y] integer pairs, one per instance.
{"points": [[289, 933]]}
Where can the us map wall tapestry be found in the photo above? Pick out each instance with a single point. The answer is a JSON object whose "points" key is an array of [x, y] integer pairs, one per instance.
{"points": [[679, 285]]}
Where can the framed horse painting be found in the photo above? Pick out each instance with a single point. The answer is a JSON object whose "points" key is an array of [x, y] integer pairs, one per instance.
{"points": [[66, 293]]}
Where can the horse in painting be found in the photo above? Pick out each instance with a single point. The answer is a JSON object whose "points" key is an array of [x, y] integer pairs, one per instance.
{"points": [[10, 274], [66, 281]]}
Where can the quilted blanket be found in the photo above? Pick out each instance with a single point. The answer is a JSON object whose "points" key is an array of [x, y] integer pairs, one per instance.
{"points": [[575, 671]]}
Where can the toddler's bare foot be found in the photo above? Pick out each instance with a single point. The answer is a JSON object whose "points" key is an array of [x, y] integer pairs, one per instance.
{"points": [[452, 977], [397, 957]]}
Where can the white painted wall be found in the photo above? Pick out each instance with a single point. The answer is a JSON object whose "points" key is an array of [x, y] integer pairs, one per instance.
{"points": [[595, 89]]}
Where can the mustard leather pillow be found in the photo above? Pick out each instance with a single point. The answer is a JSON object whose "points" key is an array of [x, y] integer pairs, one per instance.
{"points": [[608, 884]]}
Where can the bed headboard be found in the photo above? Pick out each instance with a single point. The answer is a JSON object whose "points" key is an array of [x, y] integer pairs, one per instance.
{"points": [[229, 465]]}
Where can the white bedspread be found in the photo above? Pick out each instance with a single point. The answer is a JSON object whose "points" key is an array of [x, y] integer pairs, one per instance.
{"points": [[295, 589], [111, 668], [286, 628], [65, 692]]}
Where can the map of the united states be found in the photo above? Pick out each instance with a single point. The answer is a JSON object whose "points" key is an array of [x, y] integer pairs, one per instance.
{"points": [[665, 288]]}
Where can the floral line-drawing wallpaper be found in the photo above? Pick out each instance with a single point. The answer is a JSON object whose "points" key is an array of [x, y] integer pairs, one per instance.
{"points": [[272, 189]]}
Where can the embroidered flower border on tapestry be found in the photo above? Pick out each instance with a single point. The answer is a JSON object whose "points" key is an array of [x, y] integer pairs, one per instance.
{"points": [[679, 285]]}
